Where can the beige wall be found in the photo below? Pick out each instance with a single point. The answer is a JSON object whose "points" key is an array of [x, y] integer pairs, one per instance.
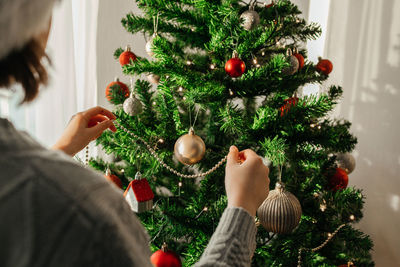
{"points": [[363, 41]]}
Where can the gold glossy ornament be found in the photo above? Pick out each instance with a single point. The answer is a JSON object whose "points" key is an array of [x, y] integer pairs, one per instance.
{"points": [[281, 212], [189, 148]]}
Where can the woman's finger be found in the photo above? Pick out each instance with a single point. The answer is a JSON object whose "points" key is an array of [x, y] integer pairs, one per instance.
{"points": [[233, 156], [101, 127], [95, 120], [98, 110]]}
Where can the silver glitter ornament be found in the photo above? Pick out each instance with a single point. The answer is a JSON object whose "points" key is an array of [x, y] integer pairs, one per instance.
{"points": [[281, 212], [346, 161], [153, 78], [132, 106], [251, 19]]}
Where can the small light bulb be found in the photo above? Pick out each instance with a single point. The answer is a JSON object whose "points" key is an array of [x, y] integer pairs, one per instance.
{"points": [[312, 125], [154, 103], [314, 221], [319, 127], [329, 235], [352, 217], [184, 98], [189, 62], [263, 53], [180, 184], [161, 141], [180, 89], [255, 61], [122, 170], [231, 92], [258, 65], [212, 66], [166, 76], [193, 29], [322, 207], [205, 209]]}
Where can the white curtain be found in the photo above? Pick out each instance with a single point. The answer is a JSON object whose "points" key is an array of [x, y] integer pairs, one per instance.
{"points": [[73, 84]]}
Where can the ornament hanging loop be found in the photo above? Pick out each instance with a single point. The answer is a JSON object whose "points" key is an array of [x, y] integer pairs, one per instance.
{"points": [[235, 54], [155, 23]]}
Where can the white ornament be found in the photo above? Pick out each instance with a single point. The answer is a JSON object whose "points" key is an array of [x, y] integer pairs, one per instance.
{"points": [[149, 46], [132, 106], [251, 19], [153, 78]]}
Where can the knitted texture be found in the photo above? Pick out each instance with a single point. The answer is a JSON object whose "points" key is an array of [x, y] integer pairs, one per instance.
{"points": [[233, 242]]}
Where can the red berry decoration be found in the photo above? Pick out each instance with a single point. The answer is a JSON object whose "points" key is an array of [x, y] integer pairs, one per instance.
{"points": [[300, 58], [165, 258], [117, 92], [235, 67], [126, 56], [113, 178], [324, 66], [339, 180], [290, 102], [269, 5]]}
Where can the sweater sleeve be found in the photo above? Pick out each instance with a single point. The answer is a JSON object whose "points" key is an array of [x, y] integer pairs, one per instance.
{"points": [[233, 242]]}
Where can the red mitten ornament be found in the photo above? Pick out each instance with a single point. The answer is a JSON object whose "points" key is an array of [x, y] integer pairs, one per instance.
{"points": [[324, 66], [126, 56], [117, 92], [235, 67], [165, 258], [339, 180], [113, 178], [139, 195], [290, 102]]}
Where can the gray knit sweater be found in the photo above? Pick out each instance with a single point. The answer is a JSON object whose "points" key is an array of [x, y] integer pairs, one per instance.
{"points": [[54, 212]]}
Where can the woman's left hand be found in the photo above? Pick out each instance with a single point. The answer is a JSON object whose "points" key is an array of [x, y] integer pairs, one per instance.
{"points": [[84, 127]]}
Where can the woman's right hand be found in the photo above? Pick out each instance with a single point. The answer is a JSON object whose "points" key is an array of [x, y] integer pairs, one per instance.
{"points": [[246, 180]]}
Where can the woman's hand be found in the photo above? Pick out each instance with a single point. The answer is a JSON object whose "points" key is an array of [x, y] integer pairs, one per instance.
{"points": [[246, 180], [84, 127]]}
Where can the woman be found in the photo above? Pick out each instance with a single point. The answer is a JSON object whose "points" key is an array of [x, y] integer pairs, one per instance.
{"points": [[53, 212]]}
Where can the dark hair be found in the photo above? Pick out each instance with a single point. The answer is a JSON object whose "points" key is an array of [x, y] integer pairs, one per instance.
{"points": [[25, 66]]}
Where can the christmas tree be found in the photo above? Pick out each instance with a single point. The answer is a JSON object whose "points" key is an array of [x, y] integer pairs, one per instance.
{"points": [[230, 73]]}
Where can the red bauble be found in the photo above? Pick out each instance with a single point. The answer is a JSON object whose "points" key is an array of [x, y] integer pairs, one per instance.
{"points": [[300, 58], [235, 67], [290, 102], [122, 88], [165, 258], [126, 56], [113, 178], [324, 66], [339, 180]]}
